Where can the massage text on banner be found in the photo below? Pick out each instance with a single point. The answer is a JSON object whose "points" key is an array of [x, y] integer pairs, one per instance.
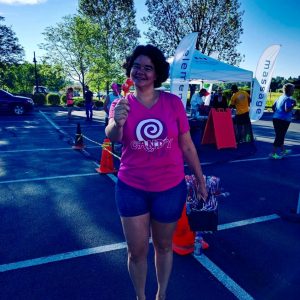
{"points": [[262, 81], [181, 66]]}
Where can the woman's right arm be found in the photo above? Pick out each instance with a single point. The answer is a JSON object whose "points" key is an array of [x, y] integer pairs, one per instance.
{"points": [[114, 129]]}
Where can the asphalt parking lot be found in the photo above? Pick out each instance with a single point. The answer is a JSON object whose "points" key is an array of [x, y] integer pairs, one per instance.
{"points": [[61, 237]]}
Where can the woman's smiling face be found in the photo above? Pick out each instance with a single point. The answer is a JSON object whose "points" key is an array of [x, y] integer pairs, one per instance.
{"points": [[143, 72]]}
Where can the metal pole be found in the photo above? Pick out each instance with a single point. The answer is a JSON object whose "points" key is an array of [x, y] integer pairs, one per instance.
{"points": [[35, 74]]}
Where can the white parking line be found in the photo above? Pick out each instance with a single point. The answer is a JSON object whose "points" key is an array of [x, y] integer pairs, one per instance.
{"points": [[49, 120], [248, 222], [107, 248], [47, 178], [247, 160], [60, 257], [43, 149], [230, 284], [260, 158]]}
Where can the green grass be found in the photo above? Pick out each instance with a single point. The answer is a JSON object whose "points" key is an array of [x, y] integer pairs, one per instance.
{"points": [[271, 98]]}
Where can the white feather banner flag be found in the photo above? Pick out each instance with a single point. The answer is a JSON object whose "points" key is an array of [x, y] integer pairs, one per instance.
{"points": [[262, 81], [181, 66]]}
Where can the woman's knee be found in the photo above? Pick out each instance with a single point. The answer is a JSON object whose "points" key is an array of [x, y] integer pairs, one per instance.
{"points": [[163, 247], [137, 254]]}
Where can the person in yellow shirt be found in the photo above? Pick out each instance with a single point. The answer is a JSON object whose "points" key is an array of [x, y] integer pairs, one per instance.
{"points": [[243, 129]]}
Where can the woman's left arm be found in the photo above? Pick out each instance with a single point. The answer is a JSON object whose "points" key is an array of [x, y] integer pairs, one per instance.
{"points": [[289, 105], [191, 157]]}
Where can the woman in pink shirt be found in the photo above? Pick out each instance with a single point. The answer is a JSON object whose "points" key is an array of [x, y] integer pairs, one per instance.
{"points": [[151, 189], [70, 101]]}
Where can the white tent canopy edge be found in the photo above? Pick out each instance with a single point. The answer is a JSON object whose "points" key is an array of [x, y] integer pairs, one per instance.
{"points": [[205, 69]]}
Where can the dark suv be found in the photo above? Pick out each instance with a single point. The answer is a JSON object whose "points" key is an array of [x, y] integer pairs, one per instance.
{"points": [[16, 104]]}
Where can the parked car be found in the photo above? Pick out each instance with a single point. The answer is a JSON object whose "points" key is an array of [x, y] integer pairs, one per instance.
{"points": [[40, 90], [15, 104], [76, 94]]}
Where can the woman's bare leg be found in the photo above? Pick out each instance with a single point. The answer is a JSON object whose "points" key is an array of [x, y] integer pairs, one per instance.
{"points": [[69, 112], [136, 232], [162, 235]]}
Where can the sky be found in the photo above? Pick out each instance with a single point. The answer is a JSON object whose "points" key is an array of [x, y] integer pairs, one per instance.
{"points": [[265, 22]]}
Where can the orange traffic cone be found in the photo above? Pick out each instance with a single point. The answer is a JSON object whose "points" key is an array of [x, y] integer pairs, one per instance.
{"points": [[78, 139], [106, 163], [183, 238]]}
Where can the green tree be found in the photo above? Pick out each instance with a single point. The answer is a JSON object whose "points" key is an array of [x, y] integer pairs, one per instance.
{"points": [[24, 78], [11, 52], [219, 23], [72, 44], [20, 78], [52, 76], [277, 83], [119, 34]]}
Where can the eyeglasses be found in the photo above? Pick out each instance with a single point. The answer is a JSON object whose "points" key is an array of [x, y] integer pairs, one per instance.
{"points": [[139, 67]]}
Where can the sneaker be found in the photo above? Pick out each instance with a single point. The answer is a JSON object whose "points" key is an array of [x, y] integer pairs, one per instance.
{"points": [[275, 156], [285, 152]]}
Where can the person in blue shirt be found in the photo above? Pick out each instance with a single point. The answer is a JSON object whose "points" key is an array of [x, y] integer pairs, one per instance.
{"points": [[282, 118], [115, 94]]}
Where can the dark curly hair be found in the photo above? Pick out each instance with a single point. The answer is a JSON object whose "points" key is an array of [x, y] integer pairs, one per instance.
{"points": [[158, 59]]}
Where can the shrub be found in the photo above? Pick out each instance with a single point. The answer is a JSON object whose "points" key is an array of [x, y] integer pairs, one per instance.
{"points": [[98, 104], [227, 94], [53, 99], [297, 96], [63, 99], [39, 99], [78, 101]]}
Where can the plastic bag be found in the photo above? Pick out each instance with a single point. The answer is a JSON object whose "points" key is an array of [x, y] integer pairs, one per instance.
{"points": [[203, 215]]}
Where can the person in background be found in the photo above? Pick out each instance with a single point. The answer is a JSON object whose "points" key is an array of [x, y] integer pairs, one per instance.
{"points": [[88, 101], [151, 189], [197, 102], [282, 118], [115, 94], [70, 101], [219, 100], [240, 100]]}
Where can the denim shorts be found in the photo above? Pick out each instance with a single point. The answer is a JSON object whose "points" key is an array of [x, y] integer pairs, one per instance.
{"points": [[164, 207]]}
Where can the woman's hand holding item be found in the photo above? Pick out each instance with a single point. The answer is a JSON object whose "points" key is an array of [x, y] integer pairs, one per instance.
{"points": [[121, 112], [201, 189]]}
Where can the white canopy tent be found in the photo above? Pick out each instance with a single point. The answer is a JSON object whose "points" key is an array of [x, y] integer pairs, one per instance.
{"points": [[205, 69], [208, 69]]}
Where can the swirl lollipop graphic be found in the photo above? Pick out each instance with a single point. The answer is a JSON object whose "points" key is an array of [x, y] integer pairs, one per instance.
{"points": [[149, 129]]}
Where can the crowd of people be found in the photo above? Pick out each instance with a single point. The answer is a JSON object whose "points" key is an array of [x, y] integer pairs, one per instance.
{"points": [[240, 101]]}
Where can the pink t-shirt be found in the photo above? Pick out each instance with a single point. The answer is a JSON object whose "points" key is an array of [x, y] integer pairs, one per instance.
{"points": [[151, 157]]}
